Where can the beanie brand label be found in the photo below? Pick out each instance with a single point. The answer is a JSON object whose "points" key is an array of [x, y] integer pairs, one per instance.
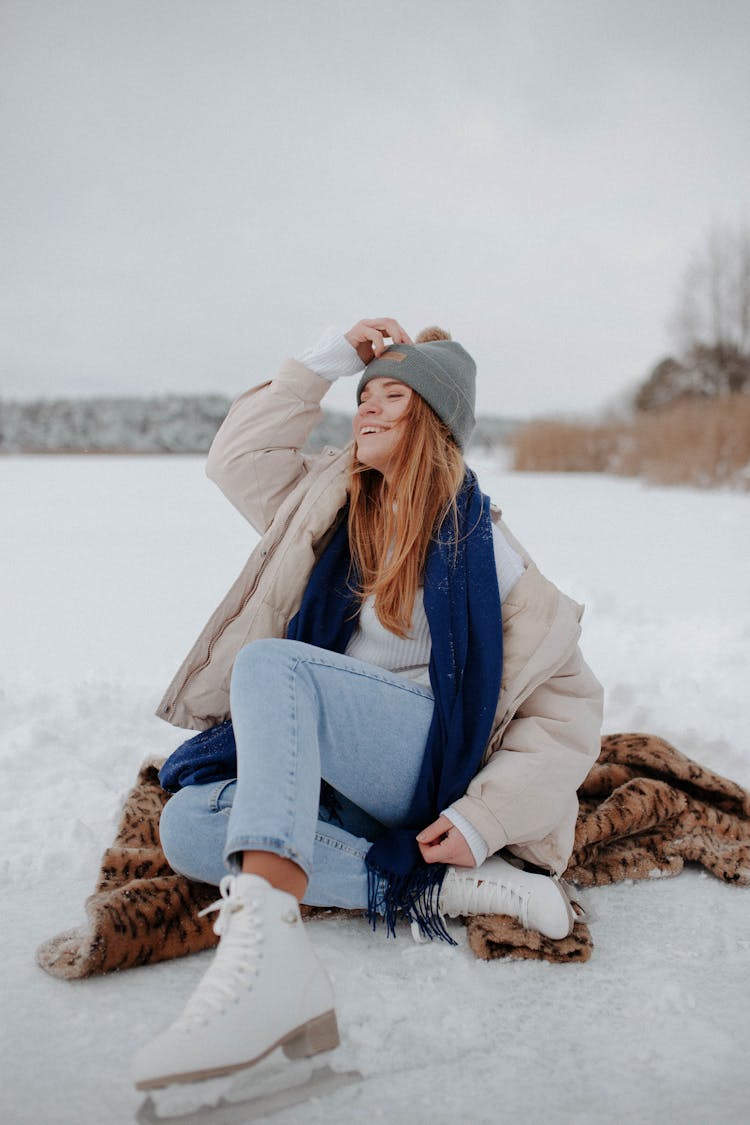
{"points": [[397, 357]]}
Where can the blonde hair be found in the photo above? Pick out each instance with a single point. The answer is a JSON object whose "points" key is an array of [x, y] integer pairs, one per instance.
{"points": [[391, 524]]}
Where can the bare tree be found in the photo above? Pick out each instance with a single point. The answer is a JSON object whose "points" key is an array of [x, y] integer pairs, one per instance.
{"points": [[713, 307]]}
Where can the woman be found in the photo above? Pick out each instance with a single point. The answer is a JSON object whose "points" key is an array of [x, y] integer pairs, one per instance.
{"points": [[406, 692]]}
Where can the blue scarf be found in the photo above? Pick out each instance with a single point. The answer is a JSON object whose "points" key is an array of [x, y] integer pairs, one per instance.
{"points": [[462, 604]]}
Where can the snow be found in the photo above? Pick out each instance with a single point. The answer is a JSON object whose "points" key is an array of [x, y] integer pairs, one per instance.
{"points": [[111, 567]]}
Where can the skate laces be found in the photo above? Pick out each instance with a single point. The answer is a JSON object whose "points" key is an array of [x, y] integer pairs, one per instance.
{"points": [[237, 956], [470, 894], [493, 897]]}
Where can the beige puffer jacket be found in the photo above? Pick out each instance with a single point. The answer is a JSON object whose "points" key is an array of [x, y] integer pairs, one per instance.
{"points": [[548, 720]]}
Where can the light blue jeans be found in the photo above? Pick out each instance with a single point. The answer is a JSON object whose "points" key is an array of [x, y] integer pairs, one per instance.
{"points": [[302, 713]]}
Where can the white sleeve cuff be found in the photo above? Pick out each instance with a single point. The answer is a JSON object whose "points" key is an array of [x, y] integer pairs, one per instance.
{"points": [[332, 356], [476, 842]]}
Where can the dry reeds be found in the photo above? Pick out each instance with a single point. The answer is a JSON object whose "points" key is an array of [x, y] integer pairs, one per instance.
{"points": [[701, 442]]}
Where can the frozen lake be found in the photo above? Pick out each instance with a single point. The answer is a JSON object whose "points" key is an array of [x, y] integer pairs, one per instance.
{"points": [[111, 567]]}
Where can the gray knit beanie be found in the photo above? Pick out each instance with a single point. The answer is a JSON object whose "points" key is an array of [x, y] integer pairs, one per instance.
{"points": [[439, 370]]}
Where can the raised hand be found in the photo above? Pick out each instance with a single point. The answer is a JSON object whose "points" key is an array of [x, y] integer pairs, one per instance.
{"points": [[369, 337]]}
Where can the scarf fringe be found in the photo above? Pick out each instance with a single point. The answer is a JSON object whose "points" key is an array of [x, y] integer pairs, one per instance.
{"points": [[413, 896]]}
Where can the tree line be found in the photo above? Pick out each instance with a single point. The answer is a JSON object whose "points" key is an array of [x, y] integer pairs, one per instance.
{"points": [[167, 424]]}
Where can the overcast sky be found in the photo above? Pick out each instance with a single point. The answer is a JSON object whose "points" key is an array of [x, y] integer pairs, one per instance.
{"points": [[193, 189]]}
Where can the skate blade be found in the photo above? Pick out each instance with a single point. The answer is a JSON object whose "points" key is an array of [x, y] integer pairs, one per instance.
{"points": [[269, 1087], [319, 1035]]}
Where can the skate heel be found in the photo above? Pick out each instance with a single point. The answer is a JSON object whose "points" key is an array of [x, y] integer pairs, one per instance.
{"points": [[320, 1034]]}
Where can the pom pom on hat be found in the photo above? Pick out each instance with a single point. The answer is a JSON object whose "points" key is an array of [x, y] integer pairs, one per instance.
{"points": [[432, 333]]}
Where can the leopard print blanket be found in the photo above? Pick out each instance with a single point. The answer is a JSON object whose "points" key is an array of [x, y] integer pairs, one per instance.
{"points": [[645, 810]]}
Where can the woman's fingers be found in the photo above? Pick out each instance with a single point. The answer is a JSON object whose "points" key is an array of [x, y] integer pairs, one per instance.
{"points": [[375, 336], [433, 832], [455, 852], [369, 337], [394, 331], [442, 842]]}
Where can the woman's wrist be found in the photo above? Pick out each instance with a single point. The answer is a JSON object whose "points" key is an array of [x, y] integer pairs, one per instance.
{"points": [[332, 357]]}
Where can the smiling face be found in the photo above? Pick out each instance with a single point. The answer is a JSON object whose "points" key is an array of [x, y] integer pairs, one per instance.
{"points": [[380, 422]]}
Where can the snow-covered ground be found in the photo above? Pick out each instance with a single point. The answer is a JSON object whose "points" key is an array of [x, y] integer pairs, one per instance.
{"points": [[111, 566]]}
